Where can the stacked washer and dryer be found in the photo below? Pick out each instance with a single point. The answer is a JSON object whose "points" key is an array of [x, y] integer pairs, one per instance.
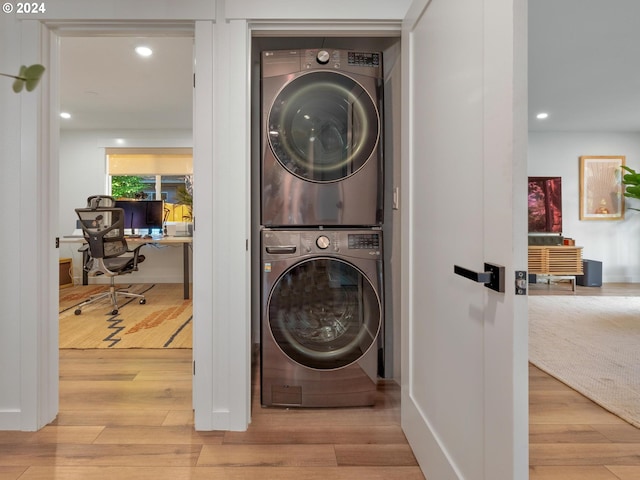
{"points": [[321, 218]]}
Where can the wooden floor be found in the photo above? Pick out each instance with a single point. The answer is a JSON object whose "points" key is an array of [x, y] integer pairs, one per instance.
{"points": [[126, 414], [570, 437]]}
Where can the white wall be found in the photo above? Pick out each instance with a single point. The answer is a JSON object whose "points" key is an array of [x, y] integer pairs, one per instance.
{"points": [[28, 391], [614, 243], [83, 168], [83, 172], [10, 163]]}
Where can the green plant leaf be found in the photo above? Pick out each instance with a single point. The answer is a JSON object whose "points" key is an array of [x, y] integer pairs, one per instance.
{"points": [[126, 186], [33, 74], [183, 196], [29, 76], [17, 85], [20, 79], [631, 179], [632, 191]]}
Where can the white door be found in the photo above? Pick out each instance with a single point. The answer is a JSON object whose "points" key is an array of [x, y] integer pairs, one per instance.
{"points": [[464, 370]]}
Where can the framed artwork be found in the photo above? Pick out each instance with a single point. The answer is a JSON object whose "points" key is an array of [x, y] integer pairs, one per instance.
{"points": [[545, 204], [601, 188]]}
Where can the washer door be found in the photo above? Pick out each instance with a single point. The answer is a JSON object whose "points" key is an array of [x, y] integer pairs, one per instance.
{"points": [[324, 313], [323, 126]]}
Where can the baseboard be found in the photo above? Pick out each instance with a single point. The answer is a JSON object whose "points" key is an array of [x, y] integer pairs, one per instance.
{"points": [[10, 420], [432, 458], [621, 279], [217, 420]]}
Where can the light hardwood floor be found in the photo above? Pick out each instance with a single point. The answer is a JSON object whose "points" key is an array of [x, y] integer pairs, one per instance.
{"points": [[570, 437], [127, 414]]}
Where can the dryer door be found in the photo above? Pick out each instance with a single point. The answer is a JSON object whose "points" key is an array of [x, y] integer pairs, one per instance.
{"points": [[323, 126], [324, 313]]}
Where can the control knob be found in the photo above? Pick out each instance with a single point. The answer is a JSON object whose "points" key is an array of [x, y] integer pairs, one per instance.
{"points": [[323, 242], [323, 57]]}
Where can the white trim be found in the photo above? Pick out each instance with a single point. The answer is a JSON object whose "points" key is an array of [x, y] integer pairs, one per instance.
{"points": [[239, 305], [59, 12], [226, 375], [205, 293], [11, 419], [388, 28], [51, 125], [349, 13], [38, 335]]}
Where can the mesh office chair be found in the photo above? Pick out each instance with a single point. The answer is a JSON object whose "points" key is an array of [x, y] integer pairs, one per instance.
{"points": [[108, 253]]}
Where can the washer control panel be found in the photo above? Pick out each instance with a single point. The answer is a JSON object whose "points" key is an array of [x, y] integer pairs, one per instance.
{"points": [[363, 59], [284, 244], [364, 241]]}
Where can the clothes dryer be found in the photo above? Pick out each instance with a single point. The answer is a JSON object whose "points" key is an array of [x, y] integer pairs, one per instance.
{"points": [[321, 317], [321, 138]]}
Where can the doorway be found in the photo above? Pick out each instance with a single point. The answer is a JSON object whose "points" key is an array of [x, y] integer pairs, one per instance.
{"points": [[125, 100], [389, 45]]}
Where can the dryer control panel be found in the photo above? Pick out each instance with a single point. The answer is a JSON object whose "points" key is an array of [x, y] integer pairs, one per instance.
{"points": [[357, 59]]}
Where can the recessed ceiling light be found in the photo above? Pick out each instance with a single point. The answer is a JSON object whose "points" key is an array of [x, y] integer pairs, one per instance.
{"points": [[542, 116], [65, 115], [144, 51]]}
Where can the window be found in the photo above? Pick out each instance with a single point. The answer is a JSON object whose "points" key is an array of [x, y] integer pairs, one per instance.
{"points": [[153, 174]]}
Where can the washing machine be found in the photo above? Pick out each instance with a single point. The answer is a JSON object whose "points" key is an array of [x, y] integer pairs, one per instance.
{"points": [[321, 138], [322, 310]]}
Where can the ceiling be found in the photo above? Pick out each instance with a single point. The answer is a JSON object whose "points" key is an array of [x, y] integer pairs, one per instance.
{"points": [[584, 71], [106, 85], [584, 65]]}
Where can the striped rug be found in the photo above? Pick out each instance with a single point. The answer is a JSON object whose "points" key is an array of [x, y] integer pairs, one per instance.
{"points": [[165, 321]]}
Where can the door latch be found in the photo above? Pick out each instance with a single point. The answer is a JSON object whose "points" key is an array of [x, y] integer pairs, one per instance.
{"points": [[492, 277], [521, 282]]}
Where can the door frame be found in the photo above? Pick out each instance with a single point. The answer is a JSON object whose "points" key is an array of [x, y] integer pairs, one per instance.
{"points": [[41, 383]]}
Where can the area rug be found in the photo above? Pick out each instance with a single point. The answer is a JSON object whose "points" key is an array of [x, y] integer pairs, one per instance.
{"points": [[165, 321], [592, 344]]}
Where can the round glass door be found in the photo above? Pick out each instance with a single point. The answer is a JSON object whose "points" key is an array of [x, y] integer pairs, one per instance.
{"points": [[323, 127], [324, 313]]}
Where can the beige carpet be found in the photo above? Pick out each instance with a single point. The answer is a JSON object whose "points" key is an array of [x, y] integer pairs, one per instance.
{"points": [[593, 345], [165, 321]]}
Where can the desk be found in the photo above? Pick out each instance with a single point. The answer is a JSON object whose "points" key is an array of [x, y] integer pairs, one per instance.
{"points": [[186, 243]]}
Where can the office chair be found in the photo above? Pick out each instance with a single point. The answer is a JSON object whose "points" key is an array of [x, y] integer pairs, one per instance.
{"points": [[108, 253]]}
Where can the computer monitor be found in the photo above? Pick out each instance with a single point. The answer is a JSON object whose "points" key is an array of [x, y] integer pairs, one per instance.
{"points": [[142, 215]]}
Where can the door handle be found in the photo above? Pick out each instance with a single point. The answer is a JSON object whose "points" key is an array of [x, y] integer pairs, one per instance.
{"points": [[282, 250], [492, 277]]}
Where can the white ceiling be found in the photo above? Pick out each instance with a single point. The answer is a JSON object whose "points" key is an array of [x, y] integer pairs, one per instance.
{"points": [[584, 65], [106, 85], [584, 70]]}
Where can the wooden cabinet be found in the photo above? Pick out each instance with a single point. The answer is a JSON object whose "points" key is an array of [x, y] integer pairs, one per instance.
{"points": [[555, 260], [65, 277]]}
